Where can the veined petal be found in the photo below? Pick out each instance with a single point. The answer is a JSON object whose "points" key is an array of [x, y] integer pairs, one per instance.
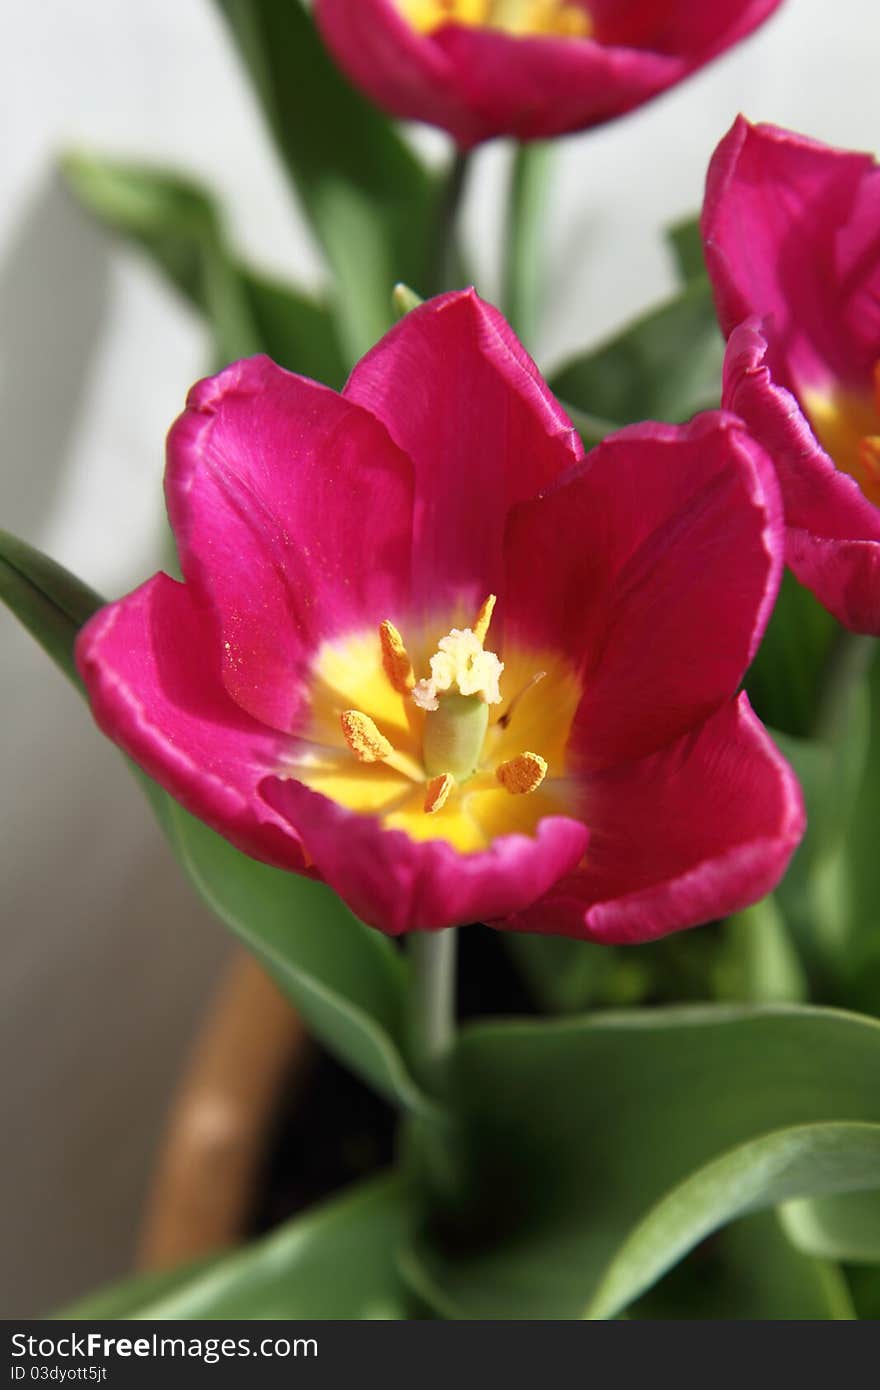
{"points": [[702, 829], [399, 68], [459, 395], [654, 566], [479, 82], [792, 233], [398, 884], [833, 531], [151, 667], [292, 511]]}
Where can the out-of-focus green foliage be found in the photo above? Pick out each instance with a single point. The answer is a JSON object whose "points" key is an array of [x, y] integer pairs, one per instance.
{"points": [[178, 226], [336, 1261], [595, 1152], [666, 366], [749, 1271], [370, 200], [346, 979]]}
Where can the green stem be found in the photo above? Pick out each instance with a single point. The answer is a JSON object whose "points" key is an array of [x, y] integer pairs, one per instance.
{"points": [[845, 667], [526, 207], [444, 259], [431, 1022]]}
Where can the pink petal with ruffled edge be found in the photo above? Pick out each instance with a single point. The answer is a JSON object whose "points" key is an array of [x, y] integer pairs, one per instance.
{"points": [[461, 397], [654, 567], [792, 234], [292, 511], [833, 531], [702, 829], [479, 83], [398, 885], [150, 666]]}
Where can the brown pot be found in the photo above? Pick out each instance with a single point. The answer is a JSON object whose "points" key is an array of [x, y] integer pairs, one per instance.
{"points": [[221, 1120]]}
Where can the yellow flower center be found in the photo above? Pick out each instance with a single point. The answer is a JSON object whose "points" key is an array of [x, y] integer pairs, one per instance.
{"points": [[421, 734], [564, 18], [847, 425]]}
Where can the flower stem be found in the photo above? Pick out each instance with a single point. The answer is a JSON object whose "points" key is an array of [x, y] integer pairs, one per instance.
{"points": [[845, 666], [431, 1022], [444, 259], [526, 208]]}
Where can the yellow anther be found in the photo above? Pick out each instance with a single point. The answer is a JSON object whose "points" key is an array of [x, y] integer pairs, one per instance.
{"points": [[522, 774], [484, 618], [363, 738], [395, 659], [437, 791]]}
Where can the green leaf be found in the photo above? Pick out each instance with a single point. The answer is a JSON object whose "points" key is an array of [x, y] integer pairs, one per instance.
{"points": [[829, 895], [370, 200], [47, 599], [759, 963], [666, 366], [565, 976], [177, 224], [404, 300], [337, 1260], [126, 1299], [864, 1286], [298, 332], [345, 978], [749, 1271], [524, 234], [686, 245], [595, 1152], [784, 679], [859, 949], [837, 1228]]}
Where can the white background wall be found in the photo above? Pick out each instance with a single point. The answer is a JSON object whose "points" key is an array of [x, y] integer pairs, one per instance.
{"points": [[106, 958]]}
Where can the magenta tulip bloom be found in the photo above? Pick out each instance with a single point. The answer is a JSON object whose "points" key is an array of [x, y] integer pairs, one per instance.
{"points": [[792, 237], [527, 68], [335, 689]]}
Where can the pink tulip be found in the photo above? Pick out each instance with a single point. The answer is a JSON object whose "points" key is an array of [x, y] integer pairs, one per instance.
{"points": [[331, 690], [792, 238], [527, 68]]}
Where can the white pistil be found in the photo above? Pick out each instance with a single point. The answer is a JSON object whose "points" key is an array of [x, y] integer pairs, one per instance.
{"points": [[460, 664]]}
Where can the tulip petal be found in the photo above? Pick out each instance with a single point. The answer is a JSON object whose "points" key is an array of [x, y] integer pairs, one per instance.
{"points": [[833, 531], [654, 567], [695, 832], [149, 664], [479, 82], [459, 394], [292, 511], [398, 68], [398, 884], [792, 233]]}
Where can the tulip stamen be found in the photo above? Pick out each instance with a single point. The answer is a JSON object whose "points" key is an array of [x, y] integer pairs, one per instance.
{"points": [[480, 628], [395, 659], [363, 737], [530, 684], [437, 792], [369, 745], [522, 774]]}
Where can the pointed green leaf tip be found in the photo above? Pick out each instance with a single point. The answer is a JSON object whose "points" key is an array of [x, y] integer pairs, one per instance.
{"points": [[403, 299], [47, 600]]}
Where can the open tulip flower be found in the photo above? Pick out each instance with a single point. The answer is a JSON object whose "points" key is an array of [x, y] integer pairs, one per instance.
{"points": [[526, 68], [336, 689], [792, 237]]}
